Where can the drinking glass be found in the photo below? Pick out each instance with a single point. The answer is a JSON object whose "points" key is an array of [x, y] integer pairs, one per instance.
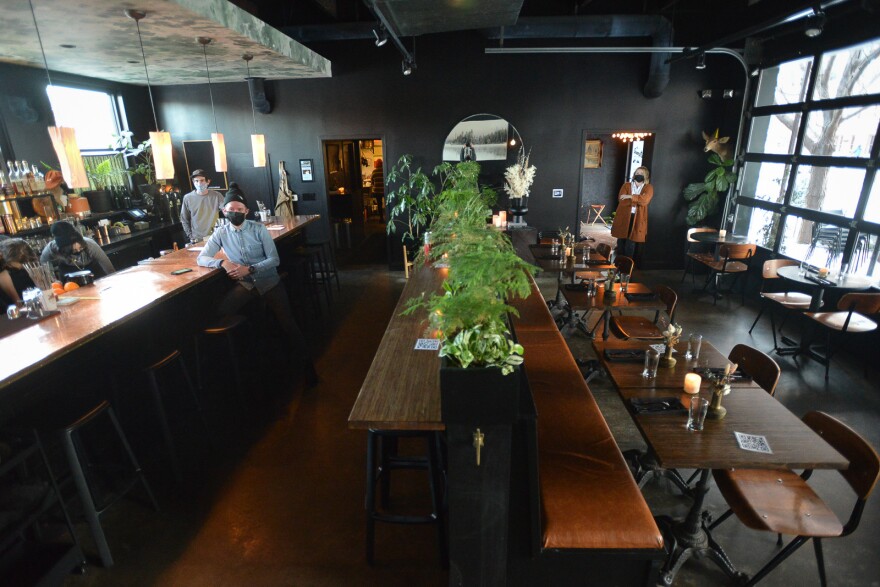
{"points": [[624, 282], [694, 343], [697, 413], [652, 361], [554, 246], [586, 253]]}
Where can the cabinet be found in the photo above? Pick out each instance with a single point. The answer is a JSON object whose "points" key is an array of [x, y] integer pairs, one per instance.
{"points": [[28, 494]]}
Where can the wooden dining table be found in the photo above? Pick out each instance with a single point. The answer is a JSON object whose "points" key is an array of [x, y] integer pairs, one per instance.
{"points": [[578, 300], [560, 266], [108, 303], [750, 410]]}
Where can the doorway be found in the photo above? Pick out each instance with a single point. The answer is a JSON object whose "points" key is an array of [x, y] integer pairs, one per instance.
{"points": [[355, 182]]}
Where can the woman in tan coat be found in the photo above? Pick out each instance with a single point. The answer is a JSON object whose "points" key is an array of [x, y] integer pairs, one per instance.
{"points": [[631, 221]]}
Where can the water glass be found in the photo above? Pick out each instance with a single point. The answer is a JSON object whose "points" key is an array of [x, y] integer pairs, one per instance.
{"points": [[652, 361], [555, 246], [695, 341], [697, 413], [624, 282], [586, 253]]}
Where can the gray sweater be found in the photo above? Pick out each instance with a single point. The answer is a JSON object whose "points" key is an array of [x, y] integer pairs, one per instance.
{"points": [[198, 213]]}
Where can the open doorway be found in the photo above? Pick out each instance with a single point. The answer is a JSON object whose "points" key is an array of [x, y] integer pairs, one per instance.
{"points": [[356, 199]]}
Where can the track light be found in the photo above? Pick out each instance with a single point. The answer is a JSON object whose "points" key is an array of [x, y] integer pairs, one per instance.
{"points": [[815, 24], [407, 66], [701, 61], [381, 35]]}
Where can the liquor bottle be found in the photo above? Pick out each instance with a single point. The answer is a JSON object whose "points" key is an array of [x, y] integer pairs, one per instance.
{"points": [[5, 188], [20, 180], [28, 178], [13, 177], [39, 178]]}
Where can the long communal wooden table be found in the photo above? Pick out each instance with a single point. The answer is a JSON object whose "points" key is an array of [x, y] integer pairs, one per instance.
{"points": [[402, 388], [108, 303]]}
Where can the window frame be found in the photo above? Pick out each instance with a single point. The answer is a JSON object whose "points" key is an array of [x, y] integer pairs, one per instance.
{"points": [[856, 223], [116, 103]]}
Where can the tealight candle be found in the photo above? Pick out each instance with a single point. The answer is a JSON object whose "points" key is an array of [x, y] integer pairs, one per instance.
{"points": [[823, 272], [496, 221], [692, 383]]}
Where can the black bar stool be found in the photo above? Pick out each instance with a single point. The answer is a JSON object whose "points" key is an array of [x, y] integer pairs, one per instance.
{"points": [[176, 358], [84, 453], [226, 327], [386, 442]]}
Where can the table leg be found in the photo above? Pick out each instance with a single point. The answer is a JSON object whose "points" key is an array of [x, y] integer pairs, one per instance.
{"points": [[691, 537], [816, 299], [558, 301]]}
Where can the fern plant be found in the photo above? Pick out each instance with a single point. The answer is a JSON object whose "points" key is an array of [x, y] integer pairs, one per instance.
{"points": [[703, 197]]}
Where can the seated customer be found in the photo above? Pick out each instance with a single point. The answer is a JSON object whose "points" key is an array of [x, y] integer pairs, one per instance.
{"points": [[8, 295], [16, 252], [71, 252], [251, 261]]}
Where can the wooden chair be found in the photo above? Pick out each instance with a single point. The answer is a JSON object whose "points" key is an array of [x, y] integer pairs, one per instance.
{"points": [[758, 365], [624, 265], [690, 255], [733, 260], [789, 301], [852, 316], [639, 327], [782, 501], [545, 237], [407, 264], [604, 249]]}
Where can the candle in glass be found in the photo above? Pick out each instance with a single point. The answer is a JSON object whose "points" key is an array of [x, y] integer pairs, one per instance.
{"points": [[692, 383]]}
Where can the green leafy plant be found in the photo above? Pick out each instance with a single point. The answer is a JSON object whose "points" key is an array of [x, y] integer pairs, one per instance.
{"points": [[410, 204], [703, 197], [470, 316]]}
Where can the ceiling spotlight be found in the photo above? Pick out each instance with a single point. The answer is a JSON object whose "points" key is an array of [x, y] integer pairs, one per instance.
{"points": [[381, 35], [705, 94], [407, 66], [701, 61], [815, 24]]}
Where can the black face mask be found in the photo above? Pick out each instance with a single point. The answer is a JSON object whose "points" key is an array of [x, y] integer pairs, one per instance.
{"points": [[236, 218], [639, 178]]}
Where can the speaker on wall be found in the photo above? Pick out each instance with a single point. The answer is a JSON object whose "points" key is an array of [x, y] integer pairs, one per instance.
{"points": [[257, 87]]}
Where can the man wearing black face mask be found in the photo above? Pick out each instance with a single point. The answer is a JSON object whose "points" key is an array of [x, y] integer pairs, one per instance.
{"points": [[251, 261]]}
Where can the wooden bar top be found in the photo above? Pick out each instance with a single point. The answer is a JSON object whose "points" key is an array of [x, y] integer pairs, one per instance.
{"points": [[402, 388], [109, 302]]}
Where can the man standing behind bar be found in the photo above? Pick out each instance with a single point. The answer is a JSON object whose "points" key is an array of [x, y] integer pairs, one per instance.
{"points": [[200, 208], [251, 261]]}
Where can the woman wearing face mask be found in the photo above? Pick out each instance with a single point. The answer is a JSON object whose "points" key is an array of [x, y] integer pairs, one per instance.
{"points": [[251, 261], [71, 252], [15, 252], [631, 221]]}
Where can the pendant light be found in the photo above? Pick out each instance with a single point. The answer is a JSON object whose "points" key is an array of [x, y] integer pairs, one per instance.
{"points": [[160, 142], [63, 138], [258, 141], [216, 137]]}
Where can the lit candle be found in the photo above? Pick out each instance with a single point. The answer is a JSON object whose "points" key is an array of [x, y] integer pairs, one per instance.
{"points": [[496, 220], [568, 251], [722, 233], [503, 216], [692, 383], [823, 272]]}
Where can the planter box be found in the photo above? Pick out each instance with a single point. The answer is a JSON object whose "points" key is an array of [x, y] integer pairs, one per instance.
{"points": [[478, 496]]}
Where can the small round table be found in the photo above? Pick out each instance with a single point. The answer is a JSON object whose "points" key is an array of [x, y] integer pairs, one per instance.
{"points": [[713, 238], [847, 282]]}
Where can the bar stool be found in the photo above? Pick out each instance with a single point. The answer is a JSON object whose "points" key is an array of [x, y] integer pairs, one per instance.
{"points": [[328, 263], [151, 371], [317, 266], [386, 442], [83, 453], [226, 327], [301, 287]]}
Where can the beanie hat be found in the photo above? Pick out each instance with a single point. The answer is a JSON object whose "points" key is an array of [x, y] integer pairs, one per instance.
{"points": [[234, 194], [65, 234]]}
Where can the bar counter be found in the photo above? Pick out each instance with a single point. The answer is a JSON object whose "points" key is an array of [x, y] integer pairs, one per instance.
{"points": [[108, 303]]}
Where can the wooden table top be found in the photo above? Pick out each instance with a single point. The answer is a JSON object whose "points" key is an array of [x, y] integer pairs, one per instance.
{"points": [[120, 297], [628, 374], [402, 388], [749, 411], [579, 300], [852, 282]]}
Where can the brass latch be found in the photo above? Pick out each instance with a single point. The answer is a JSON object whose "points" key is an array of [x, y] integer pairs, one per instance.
{"points": [[478, 443]]}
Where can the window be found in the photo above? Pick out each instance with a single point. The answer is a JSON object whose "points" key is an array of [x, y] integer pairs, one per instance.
{"points": [[808, 166], [91, 113]]}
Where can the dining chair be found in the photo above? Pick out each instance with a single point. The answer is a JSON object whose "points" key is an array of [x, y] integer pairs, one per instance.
{"points": [[789, 301], [638, 327], [624, 265], [851, 317], [782, 502], [545, 237], [758, 365], [690, 255], [733, 260], [604, 249]]}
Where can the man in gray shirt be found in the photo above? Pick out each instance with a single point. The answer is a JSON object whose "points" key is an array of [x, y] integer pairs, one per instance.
{"points": [[200, 208]]}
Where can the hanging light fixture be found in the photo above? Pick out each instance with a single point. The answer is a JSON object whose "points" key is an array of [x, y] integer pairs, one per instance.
{"points": [[160, 142], [216, 137], [258, 141], [63, 138], [630, 136]]}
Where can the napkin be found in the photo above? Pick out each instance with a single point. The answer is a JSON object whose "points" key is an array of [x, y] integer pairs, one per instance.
{"points": [[656, 405], [819, 280], [625, 354], [641, 297], [738, 375]]}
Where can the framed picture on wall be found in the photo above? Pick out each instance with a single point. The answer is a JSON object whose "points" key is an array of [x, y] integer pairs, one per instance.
{"points": [[305, 170], [593, 154]]}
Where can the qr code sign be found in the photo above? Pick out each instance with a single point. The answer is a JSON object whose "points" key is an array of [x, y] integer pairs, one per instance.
{"points": [[427, 344], [753, 442]]}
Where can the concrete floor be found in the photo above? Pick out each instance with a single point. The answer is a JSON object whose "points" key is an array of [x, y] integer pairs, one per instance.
{"points": [[279, 499]]}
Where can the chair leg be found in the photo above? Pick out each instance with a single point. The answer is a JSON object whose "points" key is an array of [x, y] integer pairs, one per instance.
{"points": [[194, 396], [828, 352], [370, 502], [773, 329], [790, 548], [85, 496], [132, 459], [163, 424], [820, 561], [721, 519], [758, 317]]}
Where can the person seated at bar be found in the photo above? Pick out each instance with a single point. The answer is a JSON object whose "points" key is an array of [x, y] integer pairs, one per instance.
{"points": [[200, 208], [71, 252], [8, 295], [16, 252], [251, 262]]}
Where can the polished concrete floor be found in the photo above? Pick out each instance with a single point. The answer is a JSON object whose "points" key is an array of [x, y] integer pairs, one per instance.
{"points": [[278, 498]]}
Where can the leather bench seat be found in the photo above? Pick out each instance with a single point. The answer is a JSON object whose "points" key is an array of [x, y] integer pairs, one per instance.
{"points": [[589, 499]]}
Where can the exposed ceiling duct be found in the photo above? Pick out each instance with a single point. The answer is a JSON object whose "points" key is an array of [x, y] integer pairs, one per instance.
{"points": [[657, 28]]}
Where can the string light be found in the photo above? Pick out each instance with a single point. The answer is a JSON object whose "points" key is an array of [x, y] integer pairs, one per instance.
{"points": [[630, 136]]}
